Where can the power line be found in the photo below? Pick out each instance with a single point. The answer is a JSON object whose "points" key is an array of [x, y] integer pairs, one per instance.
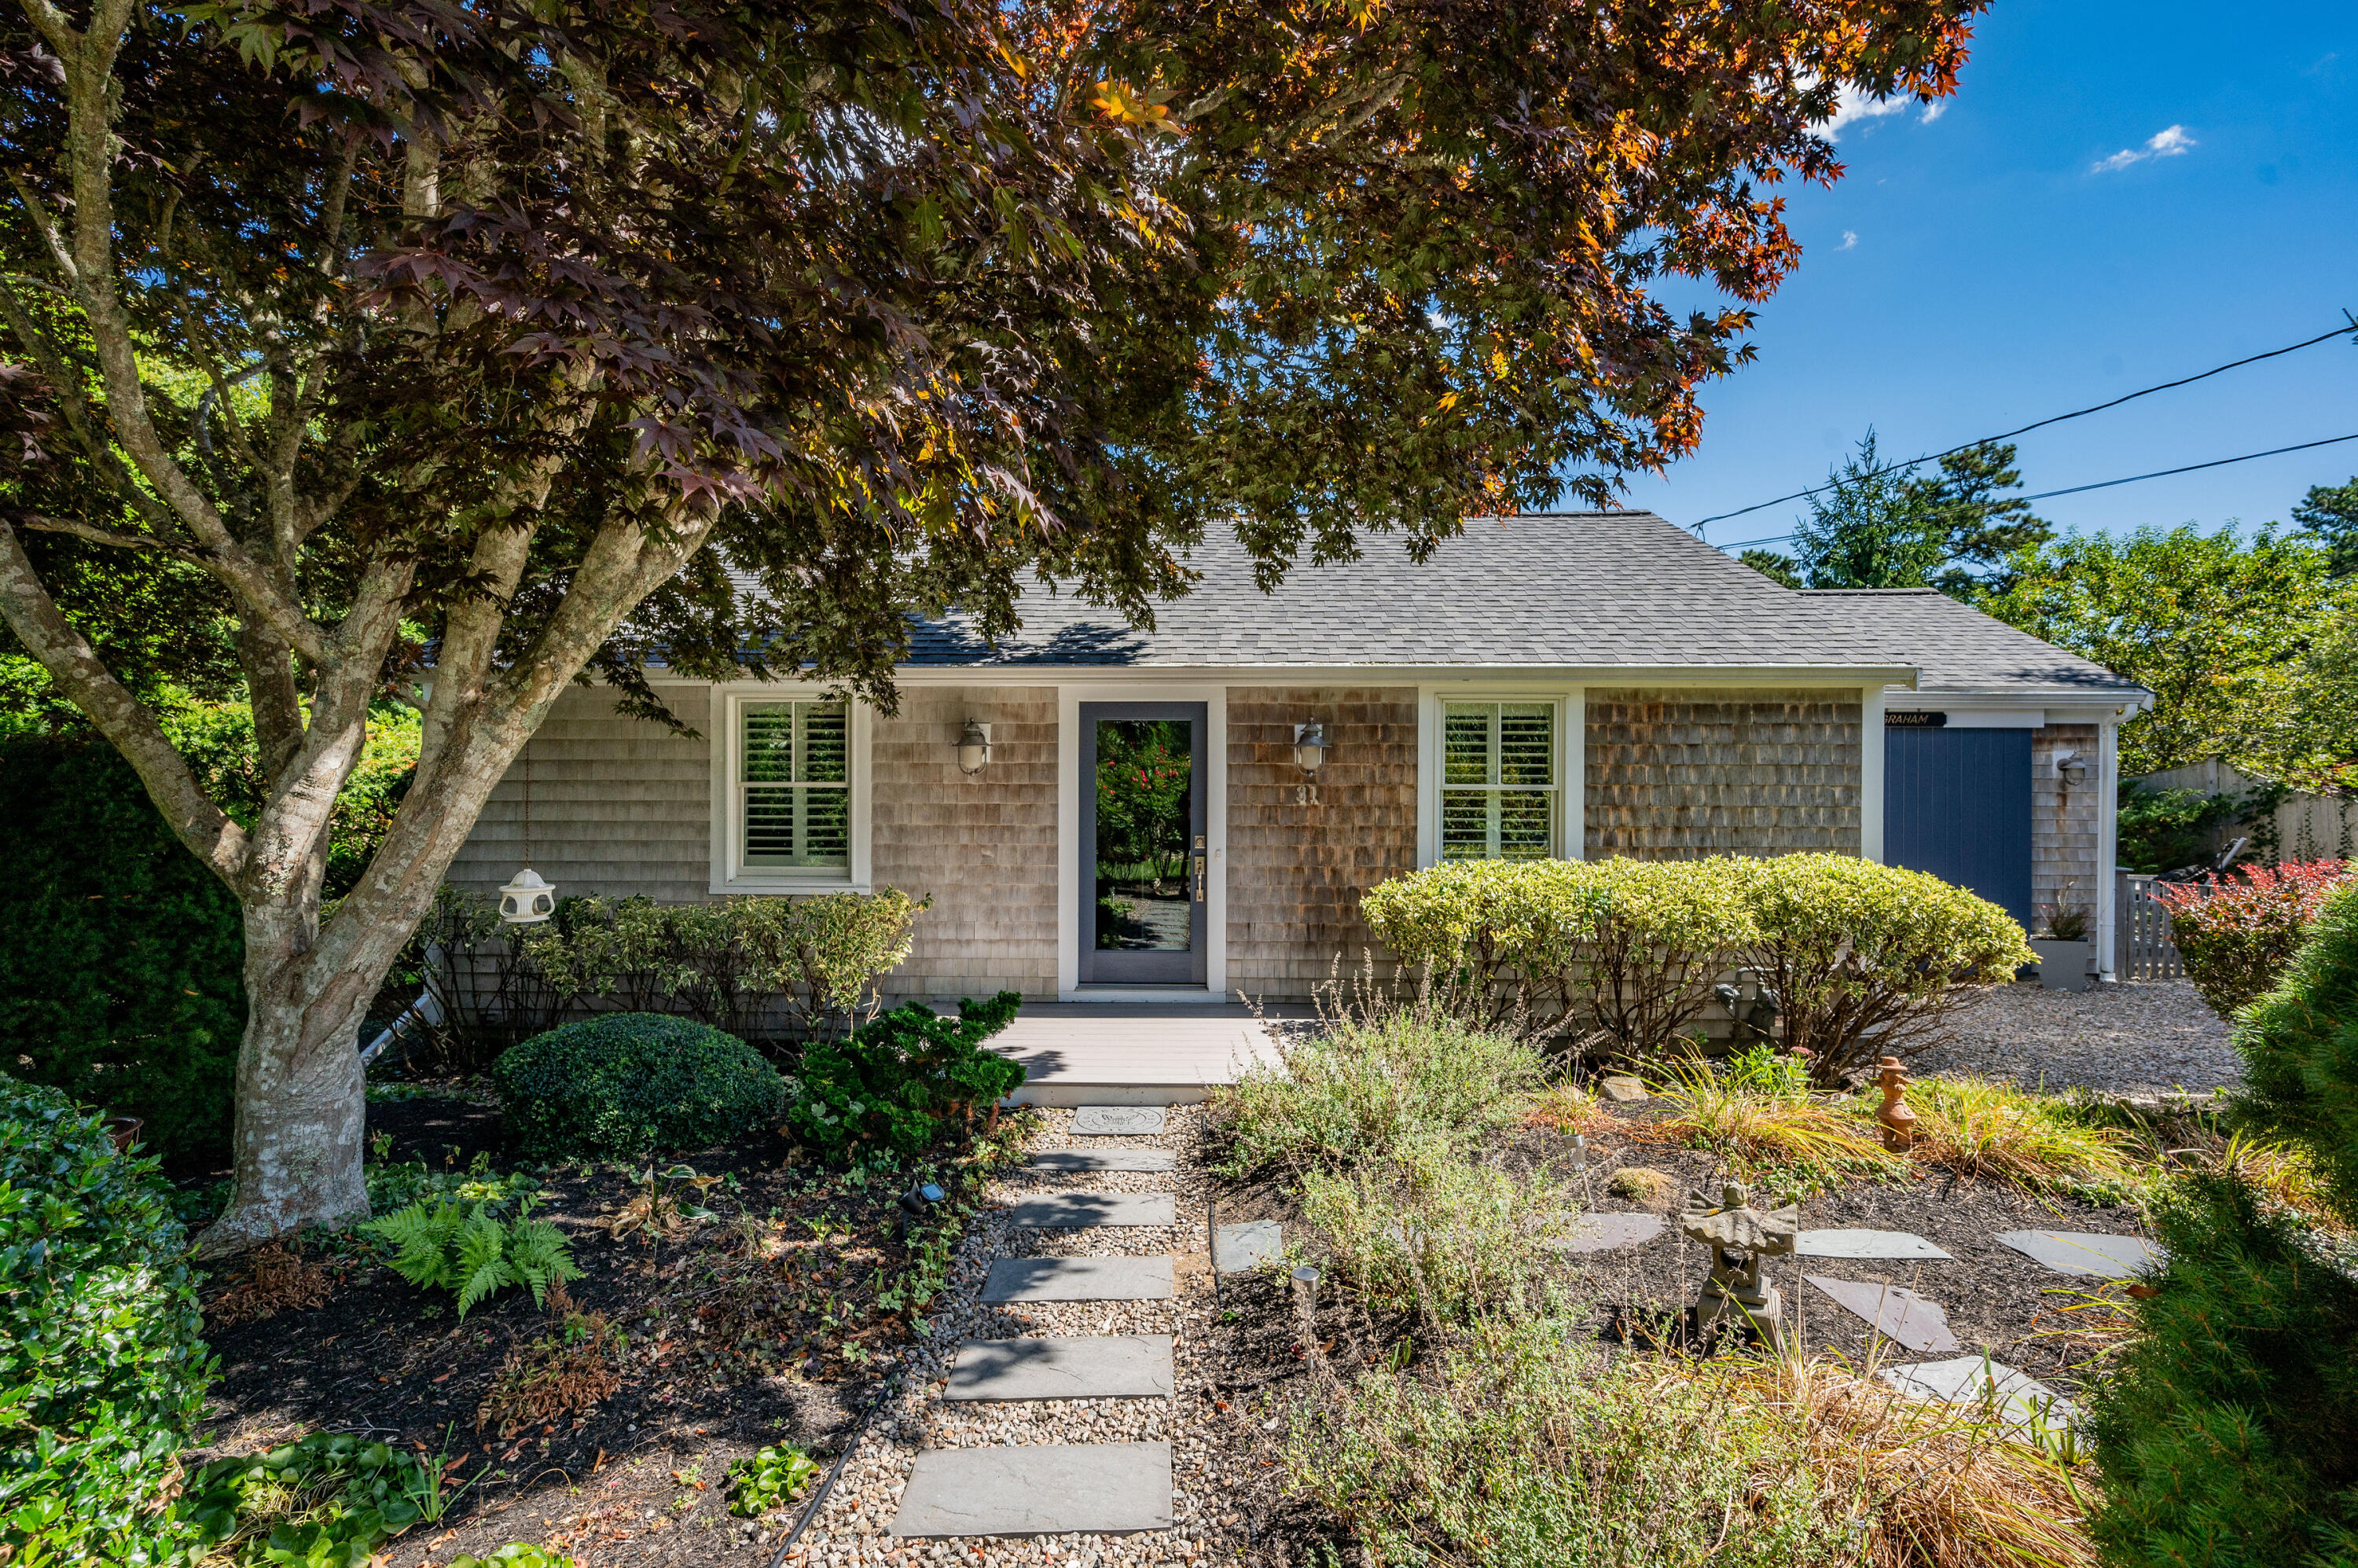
{"points": [[2108, 483], [2351, 325]]}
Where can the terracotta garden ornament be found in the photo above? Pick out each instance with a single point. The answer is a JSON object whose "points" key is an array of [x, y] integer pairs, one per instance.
{"points": [[1899, 1120], [1742, 1240]]}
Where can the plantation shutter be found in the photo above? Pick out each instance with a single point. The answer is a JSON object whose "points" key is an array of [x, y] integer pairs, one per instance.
{"points": [[795, 776], [1497, 781]]}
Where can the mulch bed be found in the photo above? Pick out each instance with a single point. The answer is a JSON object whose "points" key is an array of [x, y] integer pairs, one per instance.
{"points": [[729, 1350]]}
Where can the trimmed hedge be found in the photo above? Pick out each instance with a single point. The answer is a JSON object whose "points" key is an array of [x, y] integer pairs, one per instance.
{"points": [[102, 1375], [624, 1085], [121, 957], [901, 1079]]}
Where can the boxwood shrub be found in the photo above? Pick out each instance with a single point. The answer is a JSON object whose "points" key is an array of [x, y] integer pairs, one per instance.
{"points": [[629, 1084], [102, 1373]]}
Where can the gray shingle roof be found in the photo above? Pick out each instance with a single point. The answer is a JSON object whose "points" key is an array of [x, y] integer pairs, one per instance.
{"points": [[1956, 648], [1580, 589]]}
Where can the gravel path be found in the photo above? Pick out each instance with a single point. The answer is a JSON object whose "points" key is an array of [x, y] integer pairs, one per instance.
{"points": [[2148, 1037], [853, 1530]]}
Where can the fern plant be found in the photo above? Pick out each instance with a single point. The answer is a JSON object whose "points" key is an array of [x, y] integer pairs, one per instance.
{"points": [[453, 1245]]}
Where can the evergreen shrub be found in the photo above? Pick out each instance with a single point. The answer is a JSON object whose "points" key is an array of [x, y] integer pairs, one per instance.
{"points": [[902, 1077], [102, 1376], [623, 1085], [2228, 1434]]}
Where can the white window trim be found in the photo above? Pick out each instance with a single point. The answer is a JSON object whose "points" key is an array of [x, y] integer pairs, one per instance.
{"points": [[1571, 826], [729, 873]]}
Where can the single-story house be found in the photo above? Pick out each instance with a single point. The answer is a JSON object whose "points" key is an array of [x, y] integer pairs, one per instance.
{"points": [[1571, 685]]}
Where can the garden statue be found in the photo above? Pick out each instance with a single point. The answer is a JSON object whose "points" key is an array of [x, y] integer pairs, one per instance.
{"points": [[1898, 1121], [1736, 1291]]}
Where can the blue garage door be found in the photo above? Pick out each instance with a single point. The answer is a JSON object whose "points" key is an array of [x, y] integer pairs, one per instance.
{"points": [[1956, 802]]}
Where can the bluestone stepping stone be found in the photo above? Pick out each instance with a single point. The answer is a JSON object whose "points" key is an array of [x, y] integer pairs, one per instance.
{"points": [[1972, 1379], [1082, 1211], [1605, 1232], [1048, 1488], [1078, 1280], [1898, 1314], [2083, 1252], [1865, 1244], [1246, 1245], [1118, 1120], [1104, 1159], [1087, 1367]]}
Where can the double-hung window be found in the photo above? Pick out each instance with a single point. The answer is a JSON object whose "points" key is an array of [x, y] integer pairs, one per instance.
{"points": [[793, 787], [1498, 781]]}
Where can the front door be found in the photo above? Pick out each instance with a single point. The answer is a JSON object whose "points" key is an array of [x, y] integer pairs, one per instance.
{"points": [[1956, 802], [1144, 861]]}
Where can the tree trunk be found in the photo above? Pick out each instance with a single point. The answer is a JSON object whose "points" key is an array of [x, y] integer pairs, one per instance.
{"points": [[302, 1103]]}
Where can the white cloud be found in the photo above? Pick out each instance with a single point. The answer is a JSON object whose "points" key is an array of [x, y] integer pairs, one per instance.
{"points": [[1850, 240], [1932, 112], [2170, 142], [1854, 105]]}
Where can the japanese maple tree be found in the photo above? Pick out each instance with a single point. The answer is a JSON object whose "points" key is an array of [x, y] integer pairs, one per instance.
{"points": [[447, 352]]}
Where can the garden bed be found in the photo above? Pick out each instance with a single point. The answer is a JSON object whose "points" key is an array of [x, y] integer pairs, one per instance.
{"points": [[757, 1326]]}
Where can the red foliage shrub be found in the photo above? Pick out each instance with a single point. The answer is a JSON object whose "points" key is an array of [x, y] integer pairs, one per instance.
{"points": [[2237, 933]]}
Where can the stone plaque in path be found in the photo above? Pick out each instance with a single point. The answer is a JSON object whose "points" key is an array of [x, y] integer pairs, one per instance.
{"points": [[1898, 1314], [1118, 1120], [2083, 1252], [1246, 1245], [1104, 1159], [1865, 1244], [1083, 1211], [1972, 1379], [1047, 1488], [1596, 1232], [1078, 1280], [1085, 1367]]}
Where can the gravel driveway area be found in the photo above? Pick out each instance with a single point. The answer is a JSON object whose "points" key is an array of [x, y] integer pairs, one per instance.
{"points": [[2147, 1037]]}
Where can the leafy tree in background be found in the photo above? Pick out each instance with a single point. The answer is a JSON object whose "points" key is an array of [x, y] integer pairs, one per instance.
{"points": [[511, 329], [2329, 515], [1877, 525], [2218, 628]]}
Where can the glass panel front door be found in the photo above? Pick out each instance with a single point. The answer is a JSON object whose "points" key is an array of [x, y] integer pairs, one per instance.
{"points": [[1144, 861]]}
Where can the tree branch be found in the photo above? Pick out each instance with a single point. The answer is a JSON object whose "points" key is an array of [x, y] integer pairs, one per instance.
{"points": [[76, 667]]}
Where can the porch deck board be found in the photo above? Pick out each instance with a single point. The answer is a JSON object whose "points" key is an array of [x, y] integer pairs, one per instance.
{"points": [[1126, 1054]]}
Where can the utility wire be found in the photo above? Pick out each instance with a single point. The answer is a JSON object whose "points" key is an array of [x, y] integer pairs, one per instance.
{"points": [[2350, 326], [2108, 483]]}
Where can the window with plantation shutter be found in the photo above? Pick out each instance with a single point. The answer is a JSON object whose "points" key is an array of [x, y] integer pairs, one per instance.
{"points": [[794, 785], [1498, 781]]}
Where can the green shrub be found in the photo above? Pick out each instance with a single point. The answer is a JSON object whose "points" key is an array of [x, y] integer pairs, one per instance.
{"points": [[2162, 829], [766, 1480], [1861, 959], [1368, 1083], [2236, 933], [327, 1500], [121, 957], [102, 1375], [1423, 1227], [1626, 948], [2229, 1433], [628, 1084], [450, 1246], [902, 1078]]}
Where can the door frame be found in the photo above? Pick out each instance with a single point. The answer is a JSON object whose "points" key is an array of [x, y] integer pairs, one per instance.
{"points": [[1197, 857], [1070, 872]]}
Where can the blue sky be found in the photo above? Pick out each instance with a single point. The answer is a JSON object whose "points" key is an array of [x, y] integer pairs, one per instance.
{"points": [[2035, 248]]}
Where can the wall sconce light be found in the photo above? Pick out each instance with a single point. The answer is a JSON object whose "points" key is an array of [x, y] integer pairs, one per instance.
{"points": [[1310, 747], [2072, 767], [974, 748]]}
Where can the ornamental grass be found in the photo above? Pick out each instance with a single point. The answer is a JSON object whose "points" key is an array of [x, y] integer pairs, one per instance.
{"points": [[1983, 1126], [1769, 1130]]}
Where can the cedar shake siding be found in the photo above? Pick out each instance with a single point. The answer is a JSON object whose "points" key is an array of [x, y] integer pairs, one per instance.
{"points": [[1296, 870], [985, 848], [1676, 774], [2065, 822], [619, 806]]}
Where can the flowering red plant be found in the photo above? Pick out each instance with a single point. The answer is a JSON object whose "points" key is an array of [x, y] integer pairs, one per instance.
{"points": [[2236, 933]]}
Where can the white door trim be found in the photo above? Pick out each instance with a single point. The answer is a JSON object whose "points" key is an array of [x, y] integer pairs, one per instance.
{"points": [[1069, 698]]}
